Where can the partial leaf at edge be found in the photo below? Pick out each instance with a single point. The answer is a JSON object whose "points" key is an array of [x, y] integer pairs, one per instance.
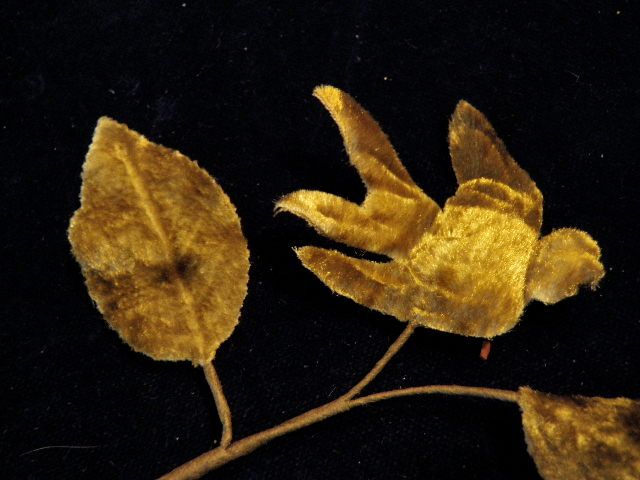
{"points": [[582, 438]]}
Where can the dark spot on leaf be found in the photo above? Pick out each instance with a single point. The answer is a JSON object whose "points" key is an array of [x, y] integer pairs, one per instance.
{"points": [[185, 266]]}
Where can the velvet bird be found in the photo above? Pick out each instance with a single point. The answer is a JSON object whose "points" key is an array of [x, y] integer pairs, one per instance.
{"points": [[468, 268]]}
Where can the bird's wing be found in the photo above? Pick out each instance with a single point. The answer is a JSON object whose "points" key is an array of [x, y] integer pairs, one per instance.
{"points": [[379, 286], [395, 212], [390, 288], [477, 152]]}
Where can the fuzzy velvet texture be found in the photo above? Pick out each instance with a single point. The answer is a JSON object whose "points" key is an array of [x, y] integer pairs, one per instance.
{"points": [[228, 83], [160, 246], [469, 268], [582, 438]]}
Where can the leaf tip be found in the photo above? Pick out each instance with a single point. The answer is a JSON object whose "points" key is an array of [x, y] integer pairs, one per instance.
{"points": [[464, 105], [106, 120], [105, 123]]}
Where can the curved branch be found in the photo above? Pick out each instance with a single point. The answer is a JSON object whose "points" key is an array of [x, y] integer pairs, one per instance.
{"points": [[220, 456], [459, 390]]}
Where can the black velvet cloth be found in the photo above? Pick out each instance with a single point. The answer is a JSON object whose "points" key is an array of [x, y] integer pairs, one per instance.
{"points": [[229, 84]]}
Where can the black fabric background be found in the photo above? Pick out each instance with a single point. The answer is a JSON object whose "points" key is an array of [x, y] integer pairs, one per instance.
{"points": [[229, 84]]}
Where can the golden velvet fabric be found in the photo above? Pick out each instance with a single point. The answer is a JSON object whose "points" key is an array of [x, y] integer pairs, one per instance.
{"points": [[160, 247], [582, 438], [468, 268]]}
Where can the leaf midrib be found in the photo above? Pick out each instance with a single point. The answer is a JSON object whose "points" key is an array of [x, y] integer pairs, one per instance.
{"points": [[151, 211]]}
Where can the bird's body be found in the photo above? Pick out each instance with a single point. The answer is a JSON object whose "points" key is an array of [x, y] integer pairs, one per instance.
{"points": [[476, 257]]}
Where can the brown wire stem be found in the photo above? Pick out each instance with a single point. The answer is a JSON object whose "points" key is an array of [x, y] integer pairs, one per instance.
{"points": [[229, 451], [221, 403], [217, 457], [380, 364]]}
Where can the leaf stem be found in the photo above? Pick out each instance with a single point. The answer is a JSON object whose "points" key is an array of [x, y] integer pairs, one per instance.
{"points": [[229, 451], [224, 412]]}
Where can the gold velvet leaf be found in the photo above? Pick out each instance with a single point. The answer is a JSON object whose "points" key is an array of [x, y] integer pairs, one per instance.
{"points": [[160, 247], [582, 438], [469, 268]]}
